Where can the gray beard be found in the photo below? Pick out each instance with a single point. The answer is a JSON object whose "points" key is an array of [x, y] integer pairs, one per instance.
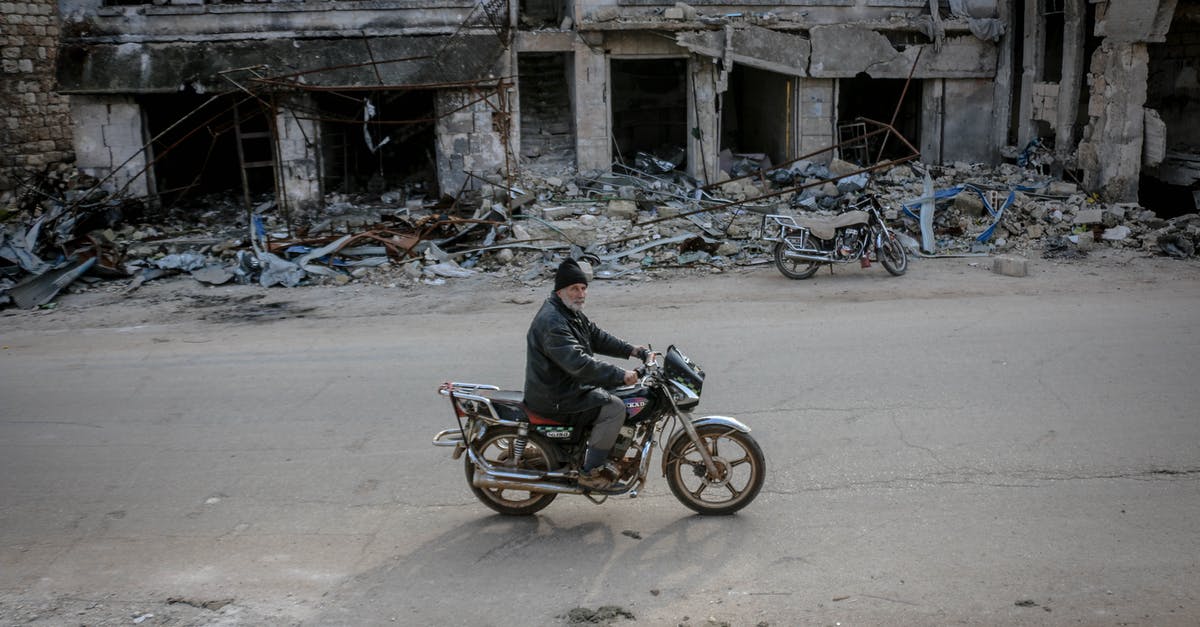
{"points": [[573, 307]]}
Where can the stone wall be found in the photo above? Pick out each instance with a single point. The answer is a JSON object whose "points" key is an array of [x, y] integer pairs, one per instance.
{"points": [[35, 127], [470, 138]]}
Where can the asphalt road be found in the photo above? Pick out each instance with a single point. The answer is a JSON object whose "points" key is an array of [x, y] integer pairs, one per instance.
{"points": [[998, 457]]}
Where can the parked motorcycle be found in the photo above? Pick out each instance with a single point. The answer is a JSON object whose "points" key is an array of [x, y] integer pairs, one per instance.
{"points": [[518, 461], [803, 246]]}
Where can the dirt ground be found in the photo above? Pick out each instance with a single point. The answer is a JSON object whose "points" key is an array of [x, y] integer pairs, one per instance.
{"points": [[180, 300]]}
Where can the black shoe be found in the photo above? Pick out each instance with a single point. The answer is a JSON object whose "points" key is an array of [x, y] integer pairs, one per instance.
{"points": [[599, 477]]}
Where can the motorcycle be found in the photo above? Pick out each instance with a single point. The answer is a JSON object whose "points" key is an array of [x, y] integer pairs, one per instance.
{"points": [[518, 461], [803, 246]]}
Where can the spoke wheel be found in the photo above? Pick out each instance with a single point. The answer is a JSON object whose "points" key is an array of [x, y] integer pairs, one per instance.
{"points": [[740, 464], [496, 447], [793, 268], [893, 257]]}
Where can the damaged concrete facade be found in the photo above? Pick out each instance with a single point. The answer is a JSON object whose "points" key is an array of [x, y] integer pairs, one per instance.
{"points": [[302, 99]]}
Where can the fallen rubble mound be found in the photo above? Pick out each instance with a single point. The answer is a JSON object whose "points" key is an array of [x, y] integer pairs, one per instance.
{"points": [[63, 231]]}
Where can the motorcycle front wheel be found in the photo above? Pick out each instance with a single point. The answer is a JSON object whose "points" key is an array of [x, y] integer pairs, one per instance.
{"points": [[496, 447], [892, 256], [740, 463], [793, 268]]}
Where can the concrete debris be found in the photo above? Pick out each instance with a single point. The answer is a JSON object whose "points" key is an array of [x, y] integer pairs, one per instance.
{"points": [[629, 222], [1009, 265]]}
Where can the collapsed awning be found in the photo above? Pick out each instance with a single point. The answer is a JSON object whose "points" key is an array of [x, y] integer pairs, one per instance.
{"points": [[752, 46]]}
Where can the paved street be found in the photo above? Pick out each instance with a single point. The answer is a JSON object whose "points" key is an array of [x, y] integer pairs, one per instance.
{"points": [[1003, 452]]}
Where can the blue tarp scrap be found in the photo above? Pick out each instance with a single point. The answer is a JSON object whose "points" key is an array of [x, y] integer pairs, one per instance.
{"points": [[996, 213], [331, 260]]}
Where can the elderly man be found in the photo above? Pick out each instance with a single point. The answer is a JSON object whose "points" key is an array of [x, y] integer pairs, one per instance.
{"points": [[563, 379]]}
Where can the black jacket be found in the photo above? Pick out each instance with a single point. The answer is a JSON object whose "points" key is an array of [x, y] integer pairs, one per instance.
{"points": [[561, 374]]}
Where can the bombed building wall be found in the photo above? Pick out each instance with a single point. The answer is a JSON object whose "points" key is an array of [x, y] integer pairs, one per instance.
{"points": [[781, 84], [473, 128], [772, 79], [35, 125], [1111, 152], [1173, 99], [338, 104]]}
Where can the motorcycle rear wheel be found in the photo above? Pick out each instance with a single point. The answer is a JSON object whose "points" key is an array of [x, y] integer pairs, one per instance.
{"points": [[739, 459], [793, 268], [892, 256], [496, 447]]}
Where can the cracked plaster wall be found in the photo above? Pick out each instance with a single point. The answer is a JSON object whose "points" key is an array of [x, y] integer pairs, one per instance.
{"points": [[299, 146], [108, 140]]}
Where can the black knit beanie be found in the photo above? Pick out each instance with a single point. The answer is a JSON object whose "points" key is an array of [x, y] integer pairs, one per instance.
{"points": [[569, 273]]}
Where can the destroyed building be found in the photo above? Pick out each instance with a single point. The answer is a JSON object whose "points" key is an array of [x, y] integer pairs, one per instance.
{"points": [[304, 108], [301, 99]]}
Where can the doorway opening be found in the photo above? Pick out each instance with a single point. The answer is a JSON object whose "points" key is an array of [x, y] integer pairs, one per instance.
{"points": [[195, 152], [547, 118], [876, 99], [649, 109], [378, 141], [756, 114]]}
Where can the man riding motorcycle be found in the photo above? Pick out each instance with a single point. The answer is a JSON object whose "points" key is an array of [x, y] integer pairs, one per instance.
{"points": [[563, 378]]}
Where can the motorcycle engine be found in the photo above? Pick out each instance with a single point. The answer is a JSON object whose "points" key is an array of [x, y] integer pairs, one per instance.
{"points": [[621, 447], [848, 241]]}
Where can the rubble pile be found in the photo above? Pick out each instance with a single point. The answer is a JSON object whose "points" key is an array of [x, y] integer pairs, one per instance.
{"points": [[641, 221]]}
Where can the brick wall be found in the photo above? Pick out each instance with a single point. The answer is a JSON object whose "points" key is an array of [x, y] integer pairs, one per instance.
{"points": [[35, 122]]}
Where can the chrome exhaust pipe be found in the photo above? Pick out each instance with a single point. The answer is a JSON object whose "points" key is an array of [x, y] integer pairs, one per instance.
{"points": [[510, 481], [818, 258], [791, 254]]}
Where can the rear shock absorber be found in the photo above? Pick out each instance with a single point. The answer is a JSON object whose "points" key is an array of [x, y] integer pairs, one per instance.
{"points": [[518, 446]]}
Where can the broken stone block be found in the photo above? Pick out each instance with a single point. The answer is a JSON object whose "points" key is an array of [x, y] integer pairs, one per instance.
{"points": [[1090, 216], [556, 213], [728, 249], [689, 12], [673, 13], [1061, 188], [969, 204], [622, 208], [841, 168], [1116, 233], [1035, 231], [1009, 265]]}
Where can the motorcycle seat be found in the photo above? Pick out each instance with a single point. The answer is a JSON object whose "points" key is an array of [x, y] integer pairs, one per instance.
{"points": [[510, 404], [826, 228]]}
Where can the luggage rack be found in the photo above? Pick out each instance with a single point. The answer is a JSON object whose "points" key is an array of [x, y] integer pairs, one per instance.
{"points": [[775, 228]]}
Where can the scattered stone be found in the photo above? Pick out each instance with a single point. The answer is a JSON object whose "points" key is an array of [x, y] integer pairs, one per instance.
{"points": [[621, 208], [601, 615]]}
